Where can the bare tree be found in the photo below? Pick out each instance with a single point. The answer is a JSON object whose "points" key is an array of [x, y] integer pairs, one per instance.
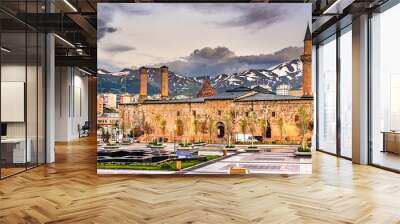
{"points": [[243, 126], [264, 125], [303, 124], [211, 126], [187, 127], [147, 129], [229, 123], [252, 126], [122, 125], [163, 126], [203, 128], [157, 120], [196, 127], [282, 128], [179, 127]]}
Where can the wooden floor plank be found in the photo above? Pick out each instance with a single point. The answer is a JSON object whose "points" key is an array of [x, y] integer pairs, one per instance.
{"points": [[70, 191]]}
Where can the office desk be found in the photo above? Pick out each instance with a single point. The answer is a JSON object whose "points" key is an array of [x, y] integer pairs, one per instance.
{"points": [[391, 142], [13, 150]]}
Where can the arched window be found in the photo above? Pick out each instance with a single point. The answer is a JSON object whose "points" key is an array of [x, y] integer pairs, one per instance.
{"points": [[220, 130]]}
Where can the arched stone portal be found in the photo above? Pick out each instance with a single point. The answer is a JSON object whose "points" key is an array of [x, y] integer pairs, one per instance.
{"points": [[220, 130], [268, 131]]}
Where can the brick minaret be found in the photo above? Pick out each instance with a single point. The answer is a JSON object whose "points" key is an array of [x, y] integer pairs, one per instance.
{"points": [[306, 59], [164, 82], [142, 84]]}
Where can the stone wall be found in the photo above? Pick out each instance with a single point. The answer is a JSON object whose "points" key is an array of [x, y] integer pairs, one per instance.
{"points": [[183, 120]]}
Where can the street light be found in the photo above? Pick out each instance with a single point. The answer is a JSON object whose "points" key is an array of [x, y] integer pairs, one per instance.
{"points": [[174, 137]]}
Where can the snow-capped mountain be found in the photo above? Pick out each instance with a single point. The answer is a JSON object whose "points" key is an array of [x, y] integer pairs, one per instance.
{"points": [[179, 85], [127, 80], [285, 73]]}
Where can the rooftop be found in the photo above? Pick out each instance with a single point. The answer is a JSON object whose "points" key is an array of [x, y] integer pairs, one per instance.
{"points": [[239, 94], [271, 97]]}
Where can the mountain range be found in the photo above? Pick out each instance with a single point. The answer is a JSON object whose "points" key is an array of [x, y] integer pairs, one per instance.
{"points": [[127, 80]]}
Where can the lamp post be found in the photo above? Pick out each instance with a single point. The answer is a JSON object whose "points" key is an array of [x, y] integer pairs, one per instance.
{"points": [[117, 132], [174, 137], [265, 111]]}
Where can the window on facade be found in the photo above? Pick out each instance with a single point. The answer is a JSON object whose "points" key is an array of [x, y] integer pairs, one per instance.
{"points": [[178, 113], [273, 113], [194, 113], [219, 113]]}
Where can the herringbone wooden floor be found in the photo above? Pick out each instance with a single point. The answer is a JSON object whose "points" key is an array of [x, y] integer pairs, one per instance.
{"points": [[70, 191]]}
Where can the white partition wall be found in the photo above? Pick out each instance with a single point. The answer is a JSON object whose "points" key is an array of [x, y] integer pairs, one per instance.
{"points": [[71, 102]]}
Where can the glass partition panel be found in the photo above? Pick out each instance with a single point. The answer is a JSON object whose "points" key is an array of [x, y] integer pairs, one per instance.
{"points": [[31, 98], [22, 67], [385, 89], [327, 95], [14, 155], [346, 93], [41, 99]]}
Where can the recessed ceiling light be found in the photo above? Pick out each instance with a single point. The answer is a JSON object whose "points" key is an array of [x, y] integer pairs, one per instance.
{"points": [[64, 40], [84, 71], [337, 7], [5, 50], [70, 5]]}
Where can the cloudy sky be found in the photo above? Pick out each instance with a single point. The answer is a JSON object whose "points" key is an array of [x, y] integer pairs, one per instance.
{"points": [[200, 39]]}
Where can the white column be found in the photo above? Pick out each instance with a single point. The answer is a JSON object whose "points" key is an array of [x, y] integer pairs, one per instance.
{"points": [[50, 98], [360, 90], [314, 89]]}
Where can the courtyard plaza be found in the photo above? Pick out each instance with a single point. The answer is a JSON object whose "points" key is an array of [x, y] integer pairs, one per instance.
{"points": [[265, 159]]}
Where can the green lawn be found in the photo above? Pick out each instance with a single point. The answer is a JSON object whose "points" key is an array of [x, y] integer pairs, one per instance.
{"points": [[168, 166]]}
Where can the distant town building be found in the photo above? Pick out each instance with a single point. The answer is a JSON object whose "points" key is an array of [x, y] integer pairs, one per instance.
{"points": [[109, 100], [100, 105], [123, 99], [109, 118], [282, 90]]}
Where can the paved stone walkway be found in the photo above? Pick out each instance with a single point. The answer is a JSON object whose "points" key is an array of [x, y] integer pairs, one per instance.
{"points": [[260, 163]]}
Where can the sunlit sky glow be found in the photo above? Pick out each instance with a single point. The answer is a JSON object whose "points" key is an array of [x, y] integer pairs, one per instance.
{"points": [[131, 35]]}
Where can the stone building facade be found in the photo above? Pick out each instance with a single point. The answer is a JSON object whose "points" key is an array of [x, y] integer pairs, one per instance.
{"points": [[213, 118]]}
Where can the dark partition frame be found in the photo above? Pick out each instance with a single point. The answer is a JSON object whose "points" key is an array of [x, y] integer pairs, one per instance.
{"points": [[37, 61]]}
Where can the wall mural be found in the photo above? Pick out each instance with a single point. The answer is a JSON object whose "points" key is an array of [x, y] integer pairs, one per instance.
{"points": [[204, 88]]}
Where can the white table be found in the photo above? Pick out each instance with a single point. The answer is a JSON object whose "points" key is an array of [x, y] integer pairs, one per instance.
{"points": [[19, 155]]}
